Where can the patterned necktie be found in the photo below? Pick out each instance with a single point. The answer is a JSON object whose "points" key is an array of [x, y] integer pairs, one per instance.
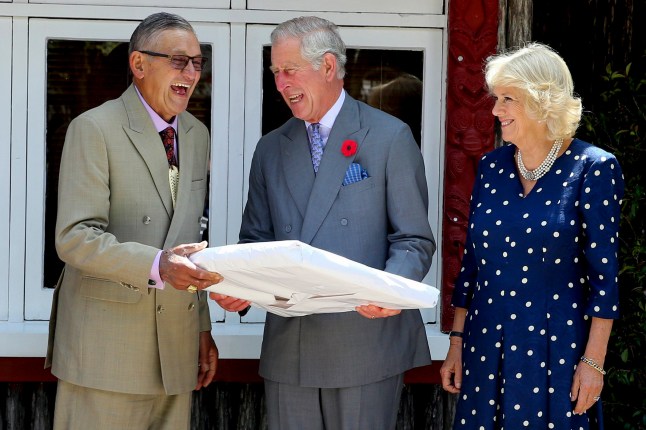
{"points": [[168, 139], [316, 146]]}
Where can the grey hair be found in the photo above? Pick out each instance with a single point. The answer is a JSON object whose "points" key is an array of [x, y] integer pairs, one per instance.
{"points": [[544, 78], [148, 29], [318, 37]]}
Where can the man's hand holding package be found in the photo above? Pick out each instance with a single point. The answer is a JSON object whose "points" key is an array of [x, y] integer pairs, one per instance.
{"points": [[176, 269], [229, 303], [374, 311]]}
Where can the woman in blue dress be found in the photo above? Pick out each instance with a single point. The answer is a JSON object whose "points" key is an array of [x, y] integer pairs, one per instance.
{"points": [[537, 292]]}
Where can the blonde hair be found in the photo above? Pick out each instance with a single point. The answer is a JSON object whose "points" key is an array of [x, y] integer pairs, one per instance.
{"points": [[544, 78]]}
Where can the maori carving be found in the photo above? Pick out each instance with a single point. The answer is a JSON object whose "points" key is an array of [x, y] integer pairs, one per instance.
{"points": [[472, 32]]}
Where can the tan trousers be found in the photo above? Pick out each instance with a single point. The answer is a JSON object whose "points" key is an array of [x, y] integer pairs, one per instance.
{"points": [[81, 408]]}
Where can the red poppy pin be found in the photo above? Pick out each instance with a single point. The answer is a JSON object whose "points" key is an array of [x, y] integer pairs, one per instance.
{"points": [[349, 148]]}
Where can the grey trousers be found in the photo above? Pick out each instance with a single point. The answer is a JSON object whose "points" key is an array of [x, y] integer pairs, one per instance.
{"points": [[372, 406]]}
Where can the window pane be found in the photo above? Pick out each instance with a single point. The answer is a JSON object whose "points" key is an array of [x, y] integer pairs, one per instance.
{"points": [[82, 75], [387, 79]]}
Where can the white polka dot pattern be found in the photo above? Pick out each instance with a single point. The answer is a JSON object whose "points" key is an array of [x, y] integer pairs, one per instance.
{"points": [[534, 269]]}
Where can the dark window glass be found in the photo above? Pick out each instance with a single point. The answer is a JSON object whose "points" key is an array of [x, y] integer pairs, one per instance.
{"points": [[388, 79], [82, 75]]}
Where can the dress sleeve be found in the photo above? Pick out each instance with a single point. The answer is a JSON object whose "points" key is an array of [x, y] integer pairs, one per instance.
{"points": [[467, 279], [600, 206]]}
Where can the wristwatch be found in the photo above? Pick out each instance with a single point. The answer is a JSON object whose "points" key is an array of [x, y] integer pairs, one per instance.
{"points": [[456, 334]]}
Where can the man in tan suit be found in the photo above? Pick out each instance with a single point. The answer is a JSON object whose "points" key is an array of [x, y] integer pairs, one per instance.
{"points": [[130, 331]]}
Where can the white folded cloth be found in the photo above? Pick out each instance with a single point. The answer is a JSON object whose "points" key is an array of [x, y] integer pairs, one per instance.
{"points": [[291, 278]]}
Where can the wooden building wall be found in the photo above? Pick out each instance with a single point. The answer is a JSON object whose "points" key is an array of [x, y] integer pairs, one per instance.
{"points": [[221, 406]]}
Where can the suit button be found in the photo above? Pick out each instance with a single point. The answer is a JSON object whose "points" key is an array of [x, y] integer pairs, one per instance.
{"points": [[344, 221], [191, 307], [288, 228], [160, 309], [146, 220]]}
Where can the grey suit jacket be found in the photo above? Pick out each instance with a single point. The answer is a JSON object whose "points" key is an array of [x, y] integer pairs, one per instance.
{"points": [[380, 221], [108, 329]]}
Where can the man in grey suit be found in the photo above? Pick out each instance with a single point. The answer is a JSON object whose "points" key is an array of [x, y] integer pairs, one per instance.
{"points": [[130, 334], [346, 178]]}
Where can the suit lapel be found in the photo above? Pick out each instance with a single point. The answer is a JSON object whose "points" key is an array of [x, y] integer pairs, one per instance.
{"points": [[147, 142], [297, 164], [333, 167]]}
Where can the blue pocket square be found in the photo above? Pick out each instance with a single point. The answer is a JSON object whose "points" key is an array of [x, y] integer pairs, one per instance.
{"points": [[355, 173]]}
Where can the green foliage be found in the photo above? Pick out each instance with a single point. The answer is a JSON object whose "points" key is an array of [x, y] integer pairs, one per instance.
{"points": [[618, 124]]}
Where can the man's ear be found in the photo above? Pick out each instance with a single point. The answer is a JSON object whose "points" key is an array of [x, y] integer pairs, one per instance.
{"points": [[329, 66], [136, 61]]}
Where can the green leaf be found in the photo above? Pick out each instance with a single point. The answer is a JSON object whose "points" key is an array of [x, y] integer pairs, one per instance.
{"points": [[624, 355]]}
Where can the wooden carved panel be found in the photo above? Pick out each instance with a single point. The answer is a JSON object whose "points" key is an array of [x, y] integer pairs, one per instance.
{"points": [[473, 28]]}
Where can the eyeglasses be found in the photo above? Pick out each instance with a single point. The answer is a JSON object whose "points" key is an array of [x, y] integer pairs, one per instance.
{"points": [[180, 62]]}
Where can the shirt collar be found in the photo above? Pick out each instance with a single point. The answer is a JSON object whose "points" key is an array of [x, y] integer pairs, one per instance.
{"points": [[330, 116]]}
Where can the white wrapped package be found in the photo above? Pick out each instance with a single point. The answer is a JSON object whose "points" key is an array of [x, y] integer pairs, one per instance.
{"points": [[291, 278]]}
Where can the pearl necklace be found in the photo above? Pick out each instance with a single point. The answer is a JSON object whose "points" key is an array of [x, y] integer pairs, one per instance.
{"points": [[544, 167]]}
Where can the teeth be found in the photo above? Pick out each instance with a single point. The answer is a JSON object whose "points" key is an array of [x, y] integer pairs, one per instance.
{"points": [[294, 98], [504, 123], [179, 84]]}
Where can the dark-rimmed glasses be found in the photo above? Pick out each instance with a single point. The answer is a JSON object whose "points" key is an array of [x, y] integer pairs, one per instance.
{"points": [[180, 62]]}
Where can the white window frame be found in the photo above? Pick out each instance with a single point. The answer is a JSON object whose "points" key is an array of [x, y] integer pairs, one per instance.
{"points": [[37, 298], [431, 43], [209, 4], [235, 128], [5, 164], [434, 7]]}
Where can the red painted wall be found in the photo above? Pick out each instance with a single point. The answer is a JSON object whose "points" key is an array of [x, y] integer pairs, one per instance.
{"points": [[473, 36]]}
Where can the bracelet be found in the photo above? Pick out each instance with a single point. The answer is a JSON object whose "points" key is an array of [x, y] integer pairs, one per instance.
{"points": [[590, 362], [456, 334]]}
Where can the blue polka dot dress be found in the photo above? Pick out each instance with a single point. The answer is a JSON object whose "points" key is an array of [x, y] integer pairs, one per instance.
{"points": [[535, 269]]}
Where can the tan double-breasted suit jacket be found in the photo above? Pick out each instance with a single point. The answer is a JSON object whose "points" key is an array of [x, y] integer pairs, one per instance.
{"points": [[108, 329]]}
